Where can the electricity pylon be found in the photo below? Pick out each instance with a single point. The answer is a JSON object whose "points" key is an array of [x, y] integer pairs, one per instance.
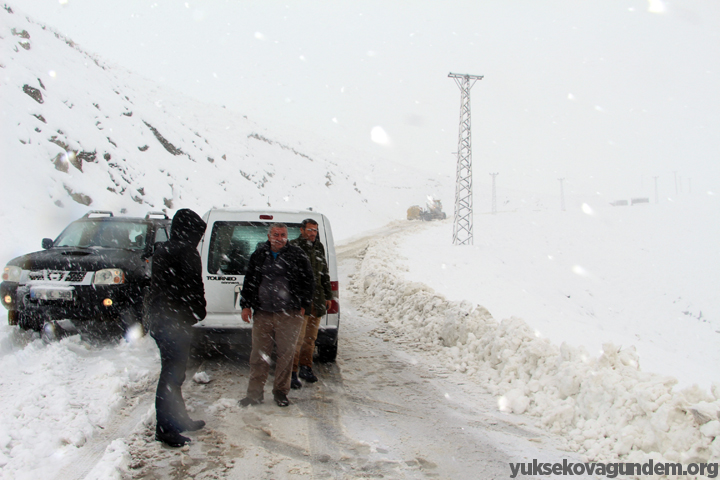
{"points": [[463, 224]]}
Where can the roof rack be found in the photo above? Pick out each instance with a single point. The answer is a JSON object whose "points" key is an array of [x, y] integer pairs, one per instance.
{"points": [[159, 214], [105, 213]]}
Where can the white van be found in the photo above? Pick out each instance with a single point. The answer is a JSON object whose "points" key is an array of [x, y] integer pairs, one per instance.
{"points": [[232, 235]]}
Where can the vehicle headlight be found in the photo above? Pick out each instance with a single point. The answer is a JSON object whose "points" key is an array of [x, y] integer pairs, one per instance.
{"points": [[11, 273], [109, 276]]}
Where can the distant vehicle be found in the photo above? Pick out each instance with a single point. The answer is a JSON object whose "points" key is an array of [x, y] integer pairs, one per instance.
{"points": [[232, 235], [432, 212], [96, 270]]}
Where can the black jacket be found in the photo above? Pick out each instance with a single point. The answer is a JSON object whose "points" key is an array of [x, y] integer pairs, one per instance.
{"points": [[176, 286], [301, 279]]}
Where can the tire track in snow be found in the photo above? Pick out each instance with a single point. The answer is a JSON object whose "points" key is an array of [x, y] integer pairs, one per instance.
{"points": [[122, 426]]}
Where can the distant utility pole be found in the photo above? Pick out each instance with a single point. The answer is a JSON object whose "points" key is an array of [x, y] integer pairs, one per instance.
{"points": [[494, 199], [562, 195], [463, 224], [656, 190]]}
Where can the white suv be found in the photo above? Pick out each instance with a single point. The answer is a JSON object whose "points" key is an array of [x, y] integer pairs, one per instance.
{"points": [[232, 235]]}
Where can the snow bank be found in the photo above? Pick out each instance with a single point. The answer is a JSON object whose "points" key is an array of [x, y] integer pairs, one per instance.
{"points": [[114, 463], [605, 408], [55, 397]]}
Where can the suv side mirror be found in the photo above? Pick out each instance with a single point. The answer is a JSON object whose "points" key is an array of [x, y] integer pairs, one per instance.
{"points": [[47, 243]]}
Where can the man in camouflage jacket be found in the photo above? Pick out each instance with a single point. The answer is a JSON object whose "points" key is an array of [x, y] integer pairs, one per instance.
{"points": [[322, 299]]}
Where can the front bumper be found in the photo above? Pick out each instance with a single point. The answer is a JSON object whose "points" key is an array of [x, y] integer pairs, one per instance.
{"points": [[86, 302]]}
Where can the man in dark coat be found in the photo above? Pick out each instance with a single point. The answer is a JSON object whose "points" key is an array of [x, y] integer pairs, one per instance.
{"points": [[322, 300], [176, 301], [277, 290]]}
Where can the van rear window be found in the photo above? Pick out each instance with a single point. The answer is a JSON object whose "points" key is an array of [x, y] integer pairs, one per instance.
{"points": [[232, 243]]}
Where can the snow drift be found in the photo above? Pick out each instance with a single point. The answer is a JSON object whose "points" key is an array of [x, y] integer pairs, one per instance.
{"points": [[606, 408]]}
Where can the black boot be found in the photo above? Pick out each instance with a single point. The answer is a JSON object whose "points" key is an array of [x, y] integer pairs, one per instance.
{"points": [[294, 382], [193, 425], [307, 374], [171, 439], [281, 399]]}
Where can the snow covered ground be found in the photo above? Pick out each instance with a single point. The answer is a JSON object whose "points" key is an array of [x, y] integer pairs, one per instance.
{"points": [[386, 408], [595, 322], [57, 397]]}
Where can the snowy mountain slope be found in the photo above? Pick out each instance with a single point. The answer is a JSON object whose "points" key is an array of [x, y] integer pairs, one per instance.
{"points": [[79, 134]]}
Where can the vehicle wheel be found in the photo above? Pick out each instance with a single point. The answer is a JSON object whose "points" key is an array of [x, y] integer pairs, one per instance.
{"points": [[131, 324], [29, 322], [327, 353]]}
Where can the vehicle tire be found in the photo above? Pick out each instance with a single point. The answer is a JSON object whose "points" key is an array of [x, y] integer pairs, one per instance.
{"points": [[327, 353], [29, 322]]}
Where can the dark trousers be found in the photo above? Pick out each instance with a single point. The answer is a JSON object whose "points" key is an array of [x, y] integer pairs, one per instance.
{"points": [[174, 344]]}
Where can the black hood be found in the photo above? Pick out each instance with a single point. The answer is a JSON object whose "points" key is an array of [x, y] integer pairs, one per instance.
{"points": [[187, 226]]}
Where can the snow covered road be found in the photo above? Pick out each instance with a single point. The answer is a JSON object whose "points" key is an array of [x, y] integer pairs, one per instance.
{"points": [[384, 410], [379, 412]]}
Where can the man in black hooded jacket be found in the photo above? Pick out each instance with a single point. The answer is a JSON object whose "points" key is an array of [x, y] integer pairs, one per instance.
{"points": [[175, 302]]}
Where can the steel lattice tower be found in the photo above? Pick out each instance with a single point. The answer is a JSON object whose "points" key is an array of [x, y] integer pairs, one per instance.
{"points": [[463, 225]]}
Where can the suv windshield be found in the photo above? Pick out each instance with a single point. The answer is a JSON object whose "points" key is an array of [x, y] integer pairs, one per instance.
{"points": [[232, 243], [130, 235]]}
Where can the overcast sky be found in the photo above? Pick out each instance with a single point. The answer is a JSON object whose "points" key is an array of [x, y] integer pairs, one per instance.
{"points": [[605, 94]]}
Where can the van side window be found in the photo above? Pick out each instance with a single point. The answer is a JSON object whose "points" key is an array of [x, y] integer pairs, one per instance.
{"points": [[232, 243]]}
